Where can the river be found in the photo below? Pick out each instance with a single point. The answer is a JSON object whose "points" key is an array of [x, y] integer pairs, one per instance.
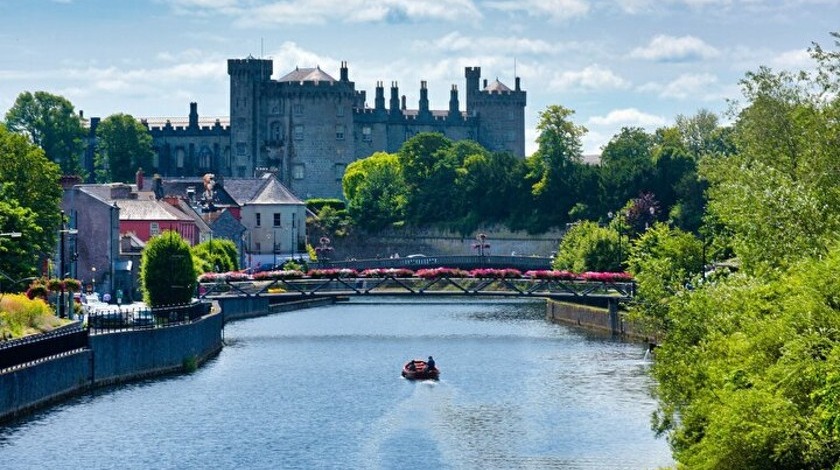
{"points": [[320, 388]]}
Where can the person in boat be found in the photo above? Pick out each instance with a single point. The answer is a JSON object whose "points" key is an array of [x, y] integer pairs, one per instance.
{"points": [[430, 364], [411, 366]]}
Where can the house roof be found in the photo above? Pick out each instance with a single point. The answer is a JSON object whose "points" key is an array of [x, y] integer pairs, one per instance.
{"points": [[178, 188], [307, 75], [136, 209], [265, 190]]}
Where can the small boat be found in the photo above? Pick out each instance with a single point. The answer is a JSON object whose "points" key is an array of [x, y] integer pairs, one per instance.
{"points": [[417, 369]]}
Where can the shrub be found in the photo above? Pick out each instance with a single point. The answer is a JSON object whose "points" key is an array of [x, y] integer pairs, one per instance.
{"points": [[167, 271], [20, 315]]}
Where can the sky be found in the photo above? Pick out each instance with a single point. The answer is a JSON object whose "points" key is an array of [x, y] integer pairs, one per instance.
{"points": [[615, 63]]}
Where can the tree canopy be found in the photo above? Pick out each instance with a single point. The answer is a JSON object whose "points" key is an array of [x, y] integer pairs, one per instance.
{"points": [[52, 124], [125, 146], [167, 272], [30, 198]]}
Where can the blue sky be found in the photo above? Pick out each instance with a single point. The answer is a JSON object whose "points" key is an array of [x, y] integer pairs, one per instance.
{"points": [[614, 62]]}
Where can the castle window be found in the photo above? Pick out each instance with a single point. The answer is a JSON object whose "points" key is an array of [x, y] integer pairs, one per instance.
{"points": [[259, 219], [297, 171], [298, 109], [339, 111], [278, 221], [366, 134], [339, 132], [299, 132], [276, 131], [339, 171], [154, 229], [179, 158], [204, 157]]}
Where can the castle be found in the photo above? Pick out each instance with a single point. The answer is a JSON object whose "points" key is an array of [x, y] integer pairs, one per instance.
{"points": [[306, 126]]}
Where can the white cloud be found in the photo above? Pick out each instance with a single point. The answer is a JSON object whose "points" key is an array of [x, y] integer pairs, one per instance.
{"points": [[456, 42], [320, 12], [557, 10], [664, 48], [796, 59], [593, 77], [698, 86], [628, 117]]}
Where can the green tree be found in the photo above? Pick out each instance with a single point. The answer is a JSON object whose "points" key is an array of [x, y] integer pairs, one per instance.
{"points": [[125, 146], [627, 166], [586, 246], [491, 186], [429, 163], [52, 124], [216, 255], [554, 167], [375, 191], [784, 171], [30, 192], [167, 272]]}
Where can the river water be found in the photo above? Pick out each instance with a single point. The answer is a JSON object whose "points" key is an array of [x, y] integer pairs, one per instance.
{"points": [[321, 389]]}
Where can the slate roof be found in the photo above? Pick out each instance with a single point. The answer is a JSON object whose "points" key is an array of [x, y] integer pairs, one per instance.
{"points": [[307, 75], [265, 190], [178, 188], [134, 209], [496, 85]]}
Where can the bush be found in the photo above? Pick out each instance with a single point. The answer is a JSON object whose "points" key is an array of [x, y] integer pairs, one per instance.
{"points": [[589, 247], [167, 271]]}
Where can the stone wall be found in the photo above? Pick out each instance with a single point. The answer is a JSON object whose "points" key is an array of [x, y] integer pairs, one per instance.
{"points": [[608, 320], [112, 358], [433, 242]]}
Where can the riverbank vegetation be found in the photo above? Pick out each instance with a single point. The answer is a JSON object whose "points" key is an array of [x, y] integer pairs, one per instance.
{"points": [[747, 369], [21, 316]]}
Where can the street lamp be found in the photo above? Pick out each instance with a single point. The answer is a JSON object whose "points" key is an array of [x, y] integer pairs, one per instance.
{"points": [[482, 244], [62, 233], [617, 229]]}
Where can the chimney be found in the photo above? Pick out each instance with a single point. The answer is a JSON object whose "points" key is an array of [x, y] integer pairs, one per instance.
{"points": [[403, 102], [193, 115], [138, 179]]}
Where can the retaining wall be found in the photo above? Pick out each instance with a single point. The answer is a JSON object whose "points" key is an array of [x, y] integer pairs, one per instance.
{"points": [[112, 358], [608, 320]]}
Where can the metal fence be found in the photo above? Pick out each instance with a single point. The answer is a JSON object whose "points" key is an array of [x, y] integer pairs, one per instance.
{"points": [[127, 318], [38, 347], [522, 263]]}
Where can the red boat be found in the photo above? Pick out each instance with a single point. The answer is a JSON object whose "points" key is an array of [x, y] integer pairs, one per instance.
{"points": [[417, 369]]}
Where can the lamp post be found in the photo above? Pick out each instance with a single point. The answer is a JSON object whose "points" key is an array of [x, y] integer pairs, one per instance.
{"points": [[61, 274], [618, 230]]}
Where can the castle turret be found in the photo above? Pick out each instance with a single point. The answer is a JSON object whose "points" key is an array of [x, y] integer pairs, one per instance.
{"points": [[193, 116], [344, 72], [424, 100], [379, 101], [395, 98], [473, 75], [248, 78], [453, 102]]}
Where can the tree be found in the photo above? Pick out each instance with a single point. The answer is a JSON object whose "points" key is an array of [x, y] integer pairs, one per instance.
{"points": [[429, 164], [31, 196], [586, 246], [627, 166], [217, 255], [553, 168], [125, 145], [52, 124], [166, 271], [375, 191]]}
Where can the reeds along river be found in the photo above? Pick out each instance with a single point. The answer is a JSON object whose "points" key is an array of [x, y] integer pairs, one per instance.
{"points": [[321, 388]]}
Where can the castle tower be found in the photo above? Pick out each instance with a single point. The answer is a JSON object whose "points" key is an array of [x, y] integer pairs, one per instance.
{"points": [[500, 112], [248, 78], [424, 101], [395, 99], [379, 102]]}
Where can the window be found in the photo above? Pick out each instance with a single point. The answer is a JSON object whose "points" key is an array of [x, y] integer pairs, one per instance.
{"points": [[278, 221], [297, 171], [259, 222], [339, 171], [339, 132], [204, 156], [179, 157], [154, 229], [276, 131], [366, 133], [298, 109], [340, 111], [299, 132]]}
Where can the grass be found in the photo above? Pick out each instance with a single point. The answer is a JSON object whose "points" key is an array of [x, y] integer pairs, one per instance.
{"points": [[20, 316]]}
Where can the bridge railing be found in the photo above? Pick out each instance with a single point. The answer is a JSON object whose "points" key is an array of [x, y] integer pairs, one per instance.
{"points": [[392, 285], [522, 263]]}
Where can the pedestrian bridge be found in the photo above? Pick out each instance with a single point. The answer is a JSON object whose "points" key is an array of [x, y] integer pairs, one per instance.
{"points": [[290, 289]]}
